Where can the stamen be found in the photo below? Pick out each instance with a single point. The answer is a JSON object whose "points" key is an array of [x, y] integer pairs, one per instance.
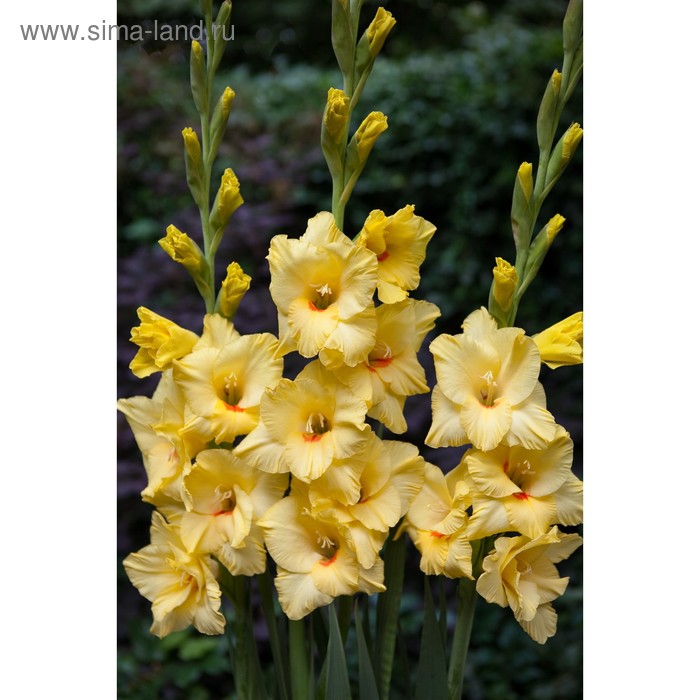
{"points": [[323, 289], [324, 541], [488, 396], [231, 389]]}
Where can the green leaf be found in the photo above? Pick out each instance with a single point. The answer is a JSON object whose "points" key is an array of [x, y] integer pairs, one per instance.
{"points": [[388, 612], [337, 681], [368, 684], [432, 664]]}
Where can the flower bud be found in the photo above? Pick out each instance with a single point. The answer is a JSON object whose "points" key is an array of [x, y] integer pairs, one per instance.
{"points": [[546, 117], [182, 249], [193, 164], [228, 199], [233, 288], [525, 180], [335, 118], [573, 25], [505, 279], [198, 77], [520, 212], [554, 225], [221, 25], [378, 31], [219, 120], [563, 152], [562, 343], [160, 342], [368, 132]]}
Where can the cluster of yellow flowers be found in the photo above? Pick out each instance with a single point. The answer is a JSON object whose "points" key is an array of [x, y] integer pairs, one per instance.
{"points": [[515, 476], [310, 481], [242, 461]]}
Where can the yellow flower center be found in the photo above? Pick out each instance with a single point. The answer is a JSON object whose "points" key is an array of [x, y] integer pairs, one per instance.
{"points": [[329, 549], [488, 389], [316, 425], [226, 498], [322, 297], [231, 393], [518, 473]]}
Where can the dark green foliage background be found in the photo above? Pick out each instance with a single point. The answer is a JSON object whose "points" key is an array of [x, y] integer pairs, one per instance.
{"points": [[460, 83]]}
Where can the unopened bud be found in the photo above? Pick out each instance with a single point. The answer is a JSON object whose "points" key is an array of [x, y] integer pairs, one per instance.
{"points": [[335, 118], [546, 117], [554, 225], [374, 124], [219, 119], [563, 152], [193, 164], [198, 78], [233, 288], [378, 30], [228, 199], [505, 279], [525, 180]]}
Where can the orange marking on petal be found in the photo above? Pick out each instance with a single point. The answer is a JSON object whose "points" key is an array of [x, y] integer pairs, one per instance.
{"points": [[235, 409], [381, 362], [313, 307], [433, 533], [328, 562], [383, 256], [522, 496], [222, 512], [505, 466], [311, 437]]}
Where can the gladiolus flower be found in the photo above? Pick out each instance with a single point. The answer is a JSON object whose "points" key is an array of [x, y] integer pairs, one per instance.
{"points": [[181, 587], [160, 342], [323, 286], [562, 343], [487, 388], [524, 490], [437, 523], [304, 426], [399, 242], [520, 573]]}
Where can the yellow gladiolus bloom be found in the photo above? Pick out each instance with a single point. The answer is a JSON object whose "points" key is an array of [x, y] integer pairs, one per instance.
{"points": [[223, 385], [160, 342], [524, 490], [437, 523], [520, 573], [305, 425], [487, 388], [392, 370], [399, 242], [224, 498], [181, 587], [315, 562], [562, 343], [167, 446], [323, 285], [368, 493]]}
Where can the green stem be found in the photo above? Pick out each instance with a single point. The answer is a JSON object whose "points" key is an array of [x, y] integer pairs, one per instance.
{"points": [[298, 660], [268, 606], [462, 635]]}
